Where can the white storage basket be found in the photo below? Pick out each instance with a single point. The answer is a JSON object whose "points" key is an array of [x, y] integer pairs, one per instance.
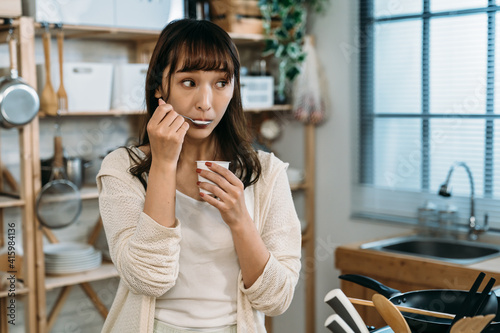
{"points": [[129, 87], [257, 91]]}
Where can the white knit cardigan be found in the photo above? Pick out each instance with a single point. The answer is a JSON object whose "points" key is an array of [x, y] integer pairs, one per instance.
{"points": [[146, 254]]}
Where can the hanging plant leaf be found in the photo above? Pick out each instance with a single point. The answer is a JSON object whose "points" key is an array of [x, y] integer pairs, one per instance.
{"points": [[270, 46], [279, 51], [289, 23], [292, 72], [293, 50], [286, 40], [281, 33]]}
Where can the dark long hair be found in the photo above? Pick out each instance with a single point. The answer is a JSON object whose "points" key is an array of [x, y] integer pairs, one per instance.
{"points": [[201, 45]]}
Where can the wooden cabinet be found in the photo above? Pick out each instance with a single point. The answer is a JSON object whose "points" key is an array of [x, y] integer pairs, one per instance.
{"points": [[41, 318]]}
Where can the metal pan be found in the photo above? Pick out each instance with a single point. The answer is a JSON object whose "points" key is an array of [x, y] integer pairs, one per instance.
{"points": [[441, 300], [19, 102], [59, 203]]}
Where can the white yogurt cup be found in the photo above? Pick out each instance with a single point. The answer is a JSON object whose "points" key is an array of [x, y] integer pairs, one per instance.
{"points": [[201, 165]]}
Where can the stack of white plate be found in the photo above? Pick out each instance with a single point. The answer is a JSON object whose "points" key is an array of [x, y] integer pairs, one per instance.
{"points": [[70, 257]]}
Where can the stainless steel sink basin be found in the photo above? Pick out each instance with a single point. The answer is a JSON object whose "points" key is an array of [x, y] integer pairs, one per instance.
{"points": [[454, 251]]}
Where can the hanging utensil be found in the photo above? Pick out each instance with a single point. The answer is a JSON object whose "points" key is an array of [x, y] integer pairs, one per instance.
{"points": [[62, 97], [19, 102], [48, 98], [391, 314], [59, 203]]}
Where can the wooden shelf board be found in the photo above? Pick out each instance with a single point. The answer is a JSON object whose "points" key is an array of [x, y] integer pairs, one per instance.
{"points": [[97, 113], [104, 33], [19, 291], [114, 33], [280, 107], [105, 271], [89, 192], [240, 37], [284, 107], [6, 202]]}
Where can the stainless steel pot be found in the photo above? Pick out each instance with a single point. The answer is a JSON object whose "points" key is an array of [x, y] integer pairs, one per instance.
{"points": [[73, 166], [19, 102], [75, 169]]}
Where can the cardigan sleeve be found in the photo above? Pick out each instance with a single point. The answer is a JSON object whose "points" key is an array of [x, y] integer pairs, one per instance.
{"points": [[145, 253], [273, 291]]}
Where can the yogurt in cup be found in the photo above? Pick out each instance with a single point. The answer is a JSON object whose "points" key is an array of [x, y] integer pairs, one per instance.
{"points": [[201, 165]]}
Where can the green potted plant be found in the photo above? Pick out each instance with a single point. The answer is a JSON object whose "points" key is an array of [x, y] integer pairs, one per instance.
{"points": [[285, 40]]}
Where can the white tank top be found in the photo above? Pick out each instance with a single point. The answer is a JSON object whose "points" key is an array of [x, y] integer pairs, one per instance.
{"points": [[205, 293]]}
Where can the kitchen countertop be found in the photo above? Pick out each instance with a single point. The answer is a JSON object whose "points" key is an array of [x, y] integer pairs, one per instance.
{"points": [[412, 269]]}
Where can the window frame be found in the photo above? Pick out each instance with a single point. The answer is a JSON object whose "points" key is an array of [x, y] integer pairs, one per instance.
{"points": [[367, 116]]}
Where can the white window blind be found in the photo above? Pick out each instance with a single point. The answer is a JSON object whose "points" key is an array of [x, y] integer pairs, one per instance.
{"points": [[430, 96]]}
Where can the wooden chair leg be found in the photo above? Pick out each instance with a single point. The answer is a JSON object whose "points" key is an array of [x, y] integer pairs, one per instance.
{"points": [[87, 288], [58, 307]]}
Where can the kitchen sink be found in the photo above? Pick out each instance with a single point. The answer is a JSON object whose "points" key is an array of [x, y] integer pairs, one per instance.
{"points": [[454, 251]]}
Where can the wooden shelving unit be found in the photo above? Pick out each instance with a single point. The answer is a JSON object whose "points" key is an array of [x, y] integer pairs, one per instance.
{"points": [[23, 32], [40, 321]]}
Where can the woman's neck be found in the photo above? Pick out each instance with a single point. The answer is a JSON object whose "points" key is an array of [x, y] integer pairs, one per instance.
{"points": [[196, 150]]}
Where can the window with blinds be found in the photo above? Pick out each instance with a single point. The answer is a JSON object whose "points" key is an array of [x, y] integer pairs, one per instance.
{"points": [[429, 97]]}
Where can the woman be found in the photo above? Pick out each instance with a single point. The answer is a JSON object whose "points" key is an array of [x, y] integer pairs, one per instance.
{"points": [[188, 261]]}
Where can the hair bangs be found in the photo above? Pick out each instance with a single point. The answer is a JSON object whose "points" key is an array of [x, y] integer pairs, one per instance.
{"points": [[203, 54]]}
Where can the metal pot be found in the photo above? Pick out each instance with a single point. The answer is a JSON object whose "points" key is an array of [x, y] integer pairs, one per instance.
{"points": [[75, 169], [19, 102], [73, 166]]}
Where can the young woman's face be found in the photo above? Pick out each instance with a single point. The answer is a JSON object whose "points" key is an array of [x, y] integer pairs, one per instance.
{"points": [[200, 95]]}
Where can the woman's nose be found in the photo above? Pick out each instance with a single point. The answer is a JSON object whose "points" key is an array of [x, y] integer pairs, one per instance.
{"points": [[204, 100]]}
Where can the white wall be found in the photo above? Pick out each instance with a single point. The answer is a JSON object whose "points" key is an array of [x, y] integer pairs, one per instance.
{"points": [[336, 33]]}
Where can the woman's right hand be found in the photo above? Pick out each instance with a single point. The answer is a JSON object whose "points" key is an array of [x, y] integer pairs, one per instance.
{"points": [[166, 131]]}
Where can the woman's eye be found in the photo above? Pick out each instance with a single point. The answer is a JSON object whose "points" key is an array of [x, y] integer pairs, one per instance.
{"points": [[221, 84], [188, 83]]}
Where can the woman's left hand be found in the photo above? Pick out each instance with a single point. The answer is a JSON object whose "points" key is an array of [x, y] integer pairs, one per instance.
{"points": [[229, 193]]}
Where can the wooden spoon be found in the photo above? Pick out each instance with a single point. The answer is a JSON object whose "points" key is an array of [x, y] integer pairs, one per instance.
{"points": [[62, 97], [472, 324], [391, 314], [48, 100]]}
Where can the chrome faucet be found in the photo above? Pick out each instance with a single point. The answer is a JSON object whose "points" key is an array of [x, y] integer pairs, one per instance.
{"points": [[474, 229]]}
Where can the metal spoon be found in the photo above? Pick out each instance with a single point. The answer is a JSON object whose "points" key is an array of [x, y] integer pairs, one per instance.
{"points": [[198, 122]]}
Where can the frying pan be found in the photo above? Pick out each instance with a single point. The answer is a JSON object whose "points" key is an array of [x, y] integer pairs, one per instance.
{"points": [[442, 300], [19, 102]]}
